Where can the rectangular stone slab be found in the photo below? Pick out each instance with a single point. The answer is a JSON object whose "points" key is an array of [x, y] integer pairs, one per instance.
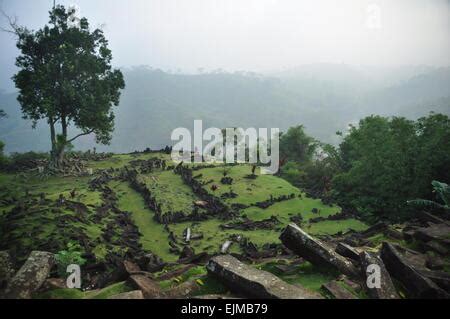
{"points": [[252, 282], [30, 276], [387, 289], [417, 285], [315, 251], [338, 292]]}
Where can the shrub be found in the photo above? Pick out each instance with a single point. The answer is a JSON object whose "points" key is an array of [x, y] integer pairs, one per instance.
{"points": [[72, 255]]}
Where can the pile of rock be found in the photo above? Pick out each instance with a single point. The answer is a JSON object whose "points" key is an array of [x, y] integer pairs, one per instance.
{"points": [[410, 268]]}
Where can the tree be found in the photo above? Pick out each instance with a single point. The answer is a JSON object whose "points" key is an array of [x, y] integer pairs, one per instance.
{"points": [[67, 79], [2, 145], [296, 146], [387, 161]]}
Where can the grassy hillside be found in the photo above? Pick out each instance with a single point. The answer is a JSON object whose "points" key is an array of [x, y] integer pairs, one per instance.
{"points": [[42, 220]]}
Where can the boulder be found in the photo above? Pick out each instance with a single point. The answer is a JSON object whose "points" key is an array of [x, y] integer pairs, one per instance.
{"points": [[254, 283], [130, 267], [418, 286], [434, 263], [379, 227], [435, 232], [151, 263], [387, 289], [175, 273], [6, 269], [437, 247], [53, 283], [337, 291], [393, 233], [440, 278], [149, 287], [187, 252], [134, 295], [347, 251], [315, 251], [30, 276], [183, 291], [427, 217]]}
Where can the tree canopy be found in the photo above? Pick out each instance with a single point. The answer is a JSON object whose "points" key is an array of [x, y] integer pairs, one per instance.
{"points": [[66, 78], [386, 162]]}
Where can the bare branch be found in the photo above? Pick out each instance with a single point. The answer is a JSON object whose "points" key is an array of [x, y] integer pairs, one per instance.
{"points": [[80, 135], [14, 28]]}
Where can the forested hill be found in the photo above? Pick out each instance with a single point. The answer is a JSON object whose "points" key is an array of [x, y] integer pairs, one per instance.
{"points": [[325, 98]]}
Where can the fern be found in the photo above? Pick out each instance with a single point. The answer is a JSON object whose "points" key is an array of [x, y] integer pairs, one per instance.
{"points": [[443, 193]]}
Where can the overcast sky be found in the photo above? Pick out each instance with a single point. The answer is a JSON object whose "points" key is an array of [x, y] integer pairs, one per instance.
{"points": [[254, 35]]}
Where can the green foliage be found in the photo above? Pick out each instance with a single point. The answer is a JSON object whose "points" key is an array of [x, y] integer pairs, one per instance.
{"points": [[20, 160], [66, 77], [442, 190], [387, 161], [3, 158], [296, 146], [72, 255], [314, 175]]}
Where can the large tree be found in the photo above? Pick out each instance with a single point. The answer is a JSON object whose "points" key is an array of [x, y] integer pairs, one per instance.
{"points": [[297, 146], [388, 161], [66, 78]]}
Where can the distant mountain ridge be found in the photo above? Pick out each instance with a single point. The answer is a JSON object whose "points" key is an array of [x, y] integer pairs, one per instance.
{"points": [[324, 98]]}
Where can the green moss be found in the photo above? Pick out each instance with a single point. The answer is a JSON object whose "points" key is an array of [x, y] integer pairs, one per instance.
{"points": [[308, 276], [109, 291], [154, 238], [331, 227], [250, 190], [211, 286], [170, 191], [61, 294]]}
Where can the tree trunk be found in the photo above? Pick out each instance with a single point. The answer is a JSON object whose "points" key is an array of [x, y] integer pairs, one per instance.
{"points": [[53, 153], [62, 142]]}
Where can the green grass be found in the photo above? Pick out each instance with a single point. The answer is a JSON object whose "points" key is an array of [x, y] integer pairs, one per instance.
{"points": [[109, 291], [154, 237], [61, 294], [331, 227], [170, 191], [286, 209], [250, 191], [121, 160], [307, 275]]}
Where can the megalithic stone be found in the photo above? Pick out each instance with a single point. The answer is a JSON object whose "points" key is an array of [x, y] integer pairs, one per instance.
{"points": [[315, 251], [386, 289], [30, 276], [254, 283], [417, 285]]}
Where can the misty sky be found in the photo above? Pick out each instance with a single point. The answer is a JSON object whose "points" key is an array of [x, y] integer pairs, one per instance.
{"points": [[253, 35]]}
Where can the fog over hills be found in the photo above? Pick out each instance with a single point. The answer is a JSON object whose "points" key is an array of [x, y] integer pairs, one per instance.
{"points": [[324, 98]]}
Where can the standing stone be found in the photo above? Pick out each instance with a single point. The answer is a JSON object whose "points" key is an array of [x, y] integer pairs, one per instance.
{"points": [[254, 283], [387, 289], [30, 276], [315, 251]]}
